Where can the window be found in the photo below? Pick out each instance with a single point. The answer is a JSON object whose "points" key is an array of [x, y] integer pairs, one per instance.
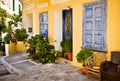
{"points": [[13, 5], [94, 26], [30, 30], [19, 8], [44, 23]]}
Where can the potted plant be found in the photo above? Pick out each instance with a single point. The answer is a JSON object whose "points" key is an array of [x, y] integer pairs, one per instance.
{"points": [[20, 35], [68, 48], [7, 39], [82, 55]]}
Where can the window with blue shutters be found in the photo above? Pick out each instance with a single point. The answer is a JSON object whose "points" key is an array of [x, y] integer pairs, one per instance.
{"points": [[94, 26], [44, 23]]}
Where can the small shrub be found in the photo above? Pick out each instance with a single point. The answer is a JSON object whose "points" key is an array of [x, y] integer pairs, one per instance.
{"points": [[40, 48]]}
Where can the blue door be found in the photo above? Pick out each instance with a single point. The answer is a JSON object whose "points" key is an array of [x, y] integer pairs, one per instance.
{"points": [[67, 24], [44, 23], [94, 26]]}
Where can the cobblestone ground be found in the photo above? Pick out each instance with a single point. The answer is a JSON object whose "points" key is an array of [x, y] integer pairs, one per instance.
{"points": [[47, 72]]}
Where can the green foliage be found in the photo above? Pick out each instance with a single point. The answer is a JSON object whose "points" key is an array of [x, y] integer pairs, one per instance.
{"points": [[62, 45], [3, 15], [39, 48], [66, 45], [20, 34], [7, 38], [16, 19], [83, 54], [59, 54]]}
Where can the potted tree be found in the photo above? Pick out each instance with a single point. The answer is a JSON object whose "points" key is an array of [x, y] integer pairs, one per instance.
{"points": [[82, 55], [21, 36]]}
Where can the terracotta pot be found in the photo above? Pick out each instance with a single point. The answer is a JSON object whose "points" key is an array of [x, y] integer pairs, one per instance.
{"points": [[85, 70], [69, 56]]}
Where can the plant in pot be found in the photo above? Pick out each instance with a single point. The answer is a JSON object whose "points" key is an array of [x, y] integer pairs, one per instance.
{"points": [[82, 55], [63, 48], [21, 36], [68, 48], [7, 39]]}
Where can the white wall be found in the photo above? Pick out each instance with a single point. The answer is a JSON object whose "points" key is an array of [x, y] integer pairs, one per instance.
{"points": [[8, 6]]}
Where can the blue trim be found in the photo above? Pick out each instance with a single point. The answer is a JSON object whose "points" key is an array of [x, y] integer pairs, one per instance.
{"points": [[64, 18]]}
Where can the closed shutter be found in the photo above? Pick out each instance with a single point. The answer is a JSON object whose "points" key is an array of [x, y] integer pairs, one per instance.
{"points": [[94, 27], [44, 23]]}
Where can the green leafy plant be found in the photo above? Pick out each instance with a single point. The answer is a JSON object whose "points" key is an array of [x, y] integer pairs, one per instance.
{"points": [[16, 19], [3, 15], [62, 45], [83, 54], [7, 38], [40, 48], [68, 45], [20, 34], [59, 54]]}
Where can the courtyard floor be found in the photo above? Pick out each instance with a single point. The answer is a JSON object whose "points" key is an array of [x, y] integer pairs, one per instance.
{"points": [[22, 68]]}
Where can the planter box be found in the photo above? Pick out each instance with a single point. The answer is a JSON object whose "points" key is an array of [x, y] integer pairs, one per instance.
{"points": [[20, 46], [10, 49]]}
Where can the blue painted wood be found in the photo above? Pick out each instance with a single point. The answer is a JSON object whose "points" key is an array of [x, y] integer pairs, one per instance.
{"points": [[64, 25], [44, 23], [94, 26]]}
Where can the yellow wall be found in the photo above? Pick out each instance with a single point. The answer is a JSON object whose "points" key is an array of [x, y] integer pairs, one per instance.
{"points": [[112, 29]]}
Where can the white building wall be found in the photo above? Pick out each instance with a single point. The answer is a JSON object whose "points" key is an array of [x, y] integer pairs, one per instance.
{"points": [[8, 6]]}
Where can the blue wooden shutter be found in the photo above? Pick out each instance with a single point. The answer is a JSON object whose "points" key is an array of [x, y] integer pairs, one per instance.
{"points": [[99, 30], [88, 27], [94, 27], [44, 23]]}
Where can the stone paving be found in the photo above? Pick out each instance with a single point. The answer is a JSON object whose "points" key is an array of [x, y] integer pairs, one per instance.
{"points": [[44, 72]]}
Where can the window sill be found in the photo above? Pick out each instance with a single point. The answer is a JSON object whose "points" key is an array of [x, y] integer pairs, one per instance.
{"points": [[95, 50]]}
